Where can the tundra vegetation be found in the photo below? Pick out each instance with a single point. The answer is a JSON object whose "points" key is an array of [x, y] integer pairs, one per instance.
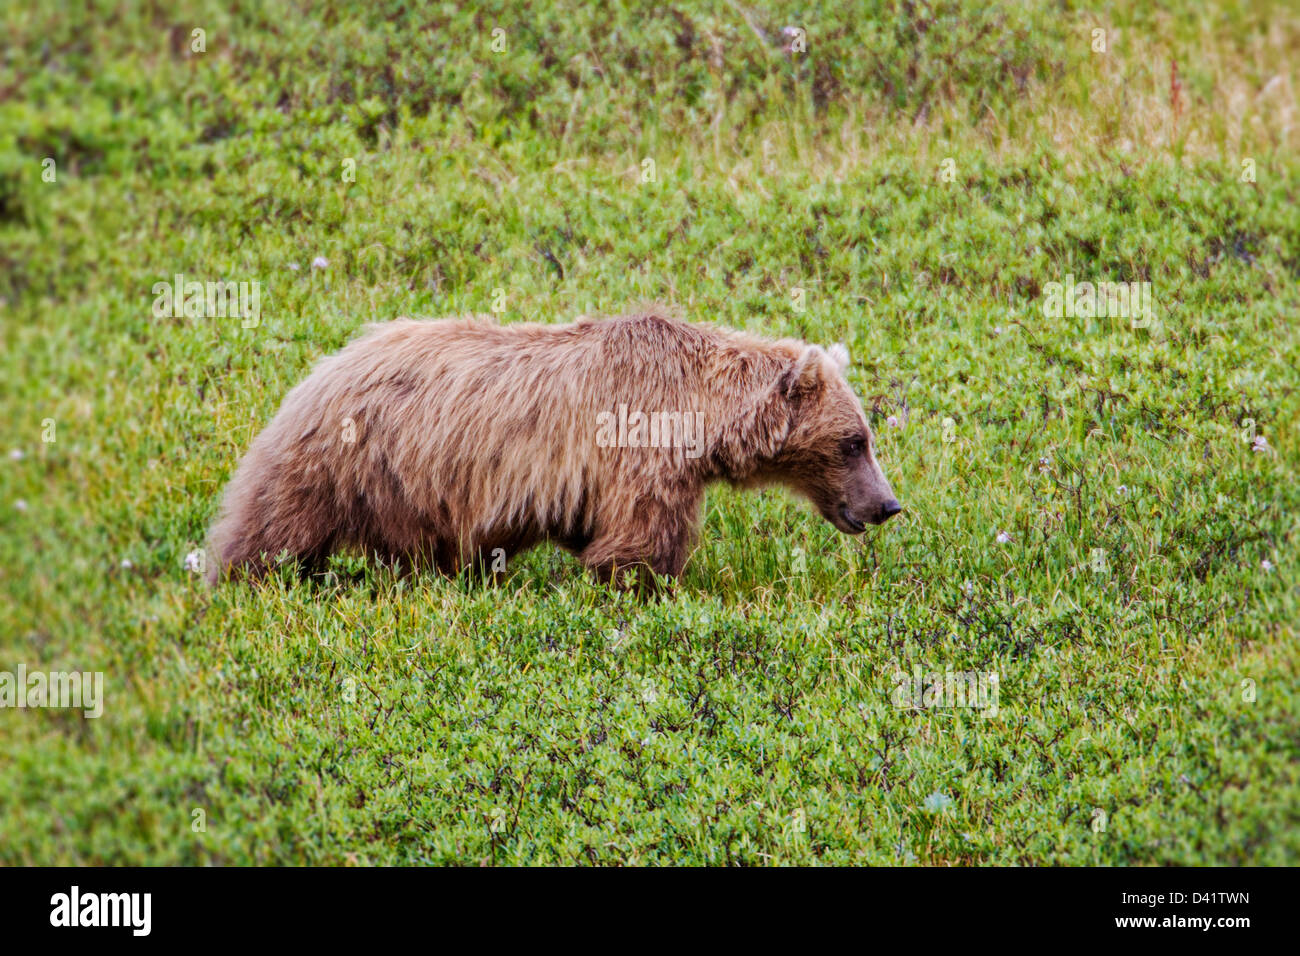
{"points": [[1100, 509]]}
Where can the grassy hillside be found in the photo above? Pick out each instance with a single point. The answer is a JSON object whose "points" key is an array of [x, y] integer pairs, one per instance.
{"points": [[1102, 515]]}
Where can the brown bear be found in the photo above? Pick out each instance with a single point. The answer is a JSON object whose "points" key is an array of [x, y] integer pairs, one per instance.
{"points": [[456, 442]]}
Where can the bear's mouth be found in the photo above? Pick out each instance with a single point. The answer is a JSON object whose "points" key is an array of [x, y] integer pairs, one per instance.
{"points": [[856, 527]]}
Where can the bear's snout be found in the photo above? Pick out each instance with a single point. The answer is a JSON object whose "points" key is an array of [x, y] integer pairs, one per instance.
{"points": [[857, 523]]}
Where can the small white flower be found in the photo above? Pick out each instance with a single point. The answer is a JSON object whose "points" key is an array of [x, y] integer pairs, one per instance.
{"points": [[1266, 564], [997, 330], [1260, 444], [294, 266], [1003, 537], [20, 504], [320, 262], [937, 802], [892, 421], [17, 454], [126, 564], [1123, 489], [194, 561], [1044, 463]]}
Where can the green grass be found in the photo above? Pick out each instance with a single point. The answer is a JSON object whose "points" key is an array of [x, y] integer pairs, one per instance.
{"points": [[1148, 712]]}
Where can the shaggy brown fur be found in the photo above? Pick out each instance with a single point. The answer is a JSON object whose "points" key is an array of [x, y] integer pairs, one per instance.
{"points": [[438, 442]]}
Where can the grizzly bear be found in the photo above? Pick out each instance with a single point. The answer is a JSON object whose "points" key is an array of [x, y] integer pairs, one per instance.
{"points": [[450, 443]]}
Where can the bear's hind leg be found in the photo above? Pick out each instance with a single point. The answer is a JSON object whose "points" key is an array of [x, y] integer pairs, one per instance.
{"points": [[256, 527]]}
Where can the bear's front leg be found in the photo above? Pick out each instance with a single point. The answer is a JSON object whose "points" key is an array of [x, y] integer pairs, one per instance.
{"points": [[626, 567], [656, 545]]}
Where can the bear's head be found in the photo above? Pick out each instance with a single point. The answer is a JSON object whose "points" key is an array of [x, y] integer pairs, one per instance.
{"points": [[829, 453]]}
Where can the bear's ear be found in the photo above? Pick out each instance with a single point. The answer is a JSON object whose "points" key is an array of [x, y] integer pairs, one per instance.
{"points": [[807, 375], [840, 353]]}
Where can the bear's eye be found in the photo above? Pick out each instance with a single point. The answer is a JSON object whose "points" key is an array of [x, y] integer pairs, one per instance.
{"points": [[854, 447]]}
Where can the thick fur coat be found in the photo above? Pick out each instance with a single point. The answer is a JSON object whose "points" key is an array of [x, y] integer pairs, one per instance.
{"points": [[449, 442]]}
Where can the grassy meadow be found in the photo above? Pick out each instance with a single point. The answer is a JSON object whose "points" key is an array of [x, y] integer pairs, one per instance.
{"points": [[1100, 512]]}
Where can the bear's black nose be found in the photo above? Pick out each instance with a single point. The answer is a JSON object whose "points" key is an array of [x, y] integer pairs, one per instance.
{"points": [[890, 508]]}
